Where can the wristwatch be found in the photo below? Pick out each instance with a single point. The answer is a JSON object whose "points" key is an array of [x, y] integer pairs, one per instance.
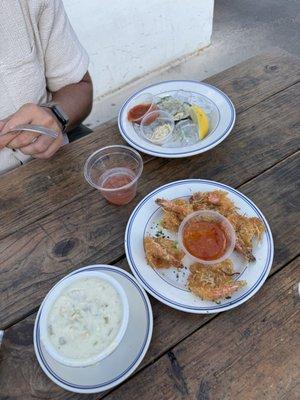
{"points": [[62, 117]]}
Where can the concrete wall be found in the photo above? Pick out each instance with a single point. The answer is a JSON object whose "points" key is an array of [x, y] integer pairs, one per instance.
{"points": [[128, 38]]}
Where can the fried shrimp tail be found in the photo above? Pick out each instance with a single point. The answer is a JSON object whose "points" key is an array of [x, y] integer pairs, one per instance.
{"points": [[174, 212], [224, 291], [215, 282], [217, 200], [162, 253], [243, 250], [247, 230]]}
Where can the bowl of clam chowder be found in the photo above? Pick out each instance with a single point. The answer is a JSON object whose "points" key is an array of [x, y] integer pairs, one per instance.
{"points": [[84, 318]]}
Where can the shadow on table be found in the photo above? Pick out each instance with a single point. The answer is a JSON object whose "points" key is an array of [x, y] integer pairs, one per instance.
{"points": [[79, 132]]}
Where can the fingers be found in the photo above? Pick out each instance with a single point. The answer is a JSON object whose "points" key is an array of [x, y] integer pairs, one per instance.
{"points": [[31, 143], [39, 146], [22, 116], [22, 140], [44, 147], [52, 149], [6, 139], [3, 122]]}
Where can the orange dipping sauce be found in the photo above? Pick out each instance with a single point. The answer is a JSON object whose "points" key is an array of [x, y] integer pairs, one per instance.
{"points": [[205, 240], [136, 113]]}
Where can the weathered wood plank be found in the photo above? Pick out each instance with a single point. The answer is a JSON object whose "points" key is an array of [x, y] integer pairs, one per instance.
{"points": [[17, 359], [276, 193], [90, 227], [20, 374], [97, 228], [60, 180], [51, 183], [250, 353], [259, 77], [29, 266], [170, 325], [281, 210]]}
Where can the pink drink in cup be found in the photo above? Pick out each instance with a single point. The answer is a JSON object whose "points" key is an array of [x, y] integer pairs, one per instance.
{"points": [[114, 171]]}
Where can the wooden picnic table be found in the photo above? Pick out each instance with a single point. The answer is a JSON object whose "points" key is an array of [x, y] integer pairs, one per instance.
{"points": [[53, 222]]}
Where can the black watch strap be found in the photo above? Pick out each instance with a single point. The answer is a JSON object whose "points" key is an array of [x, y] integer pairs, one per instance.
{"points": [[59, 114]]}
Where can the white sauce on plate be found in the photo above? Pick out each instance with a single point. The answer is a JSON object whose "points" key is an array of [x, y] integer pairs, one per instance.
{"points": [[85, 318]]}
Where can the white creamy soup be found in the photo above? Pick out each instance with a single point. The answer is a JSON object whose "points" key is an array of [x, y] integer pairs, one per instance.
{"points": [[85, 318]]}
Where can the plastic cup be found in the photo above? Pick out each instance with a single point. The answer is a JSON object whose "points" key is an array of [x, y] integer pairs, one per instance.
{"points": [[211, 216], [114, 171], [142, 99], [157, 127]]}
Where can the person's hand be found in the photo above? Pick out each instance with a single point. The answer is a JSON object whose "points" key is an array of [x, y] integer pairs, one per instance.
{"points": [[31, 143]]}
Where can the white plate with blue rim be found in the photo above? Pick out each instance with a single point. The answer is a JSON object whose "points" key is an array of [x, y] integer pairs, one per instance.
{"points": [[220, 111], [119, 365], [169, 285]]}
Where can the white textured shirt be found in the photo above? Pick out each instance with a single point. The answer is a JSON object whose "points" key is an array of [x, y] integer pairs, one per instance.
{"points": [[39, 54]]}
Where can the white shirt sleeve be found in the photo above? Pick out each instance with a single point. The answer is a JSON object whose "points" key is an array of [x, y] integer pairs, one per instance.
{"points": [[66, 61]]}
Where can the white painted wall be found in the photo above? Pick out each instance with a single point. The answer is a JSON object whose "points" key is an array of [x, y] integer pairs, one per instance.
{"points": [[129, 38]]}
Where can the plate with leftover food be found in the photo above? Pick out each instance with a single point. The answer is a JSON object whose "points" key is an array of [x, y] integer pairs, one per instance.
{"points": [[99, 325], [199, 246], [175, 119]]}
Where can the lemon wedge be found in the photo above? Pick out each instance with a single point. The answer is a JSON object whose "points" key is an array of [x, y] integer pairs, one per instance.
{"points": [[200, 119]]}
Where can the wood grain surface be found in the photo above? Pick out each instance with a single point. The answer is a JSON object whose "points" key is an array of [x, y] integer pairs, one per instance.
{"points": [[52, 222], [250, 353], [170, 326], [60, 180], [258, 78], [88, 226]]}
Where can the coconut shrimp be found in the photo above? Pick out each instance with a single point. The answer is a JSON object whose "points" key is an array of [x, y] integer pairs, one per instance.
{"points": [[216, 200], [162, 253], [174, 212], [247, 230], [214, 282]]}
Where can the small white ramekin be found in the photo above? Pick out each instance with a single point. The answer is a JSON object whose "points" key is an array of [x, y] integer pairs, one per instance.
{"points": [[50, 300]]}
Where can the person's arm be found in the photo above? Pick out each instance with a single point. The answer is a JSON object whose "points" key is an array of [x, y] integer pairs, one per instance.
{"points": [[67, 79], [76, 102]]}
